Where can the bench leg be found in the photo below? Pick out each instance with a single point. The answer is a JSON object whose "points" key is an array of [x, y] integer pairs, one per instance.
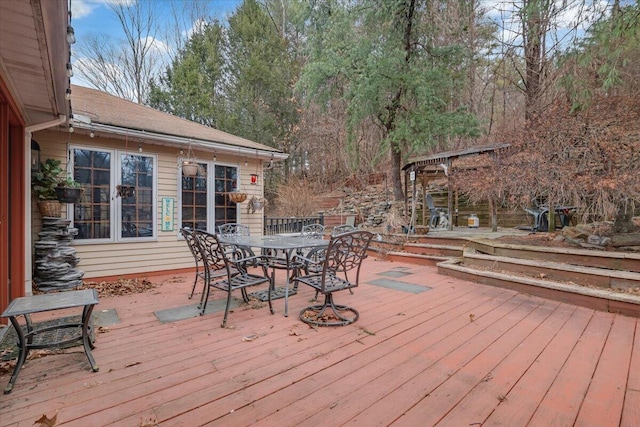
{"points": [[86, 336], [22, 354]]}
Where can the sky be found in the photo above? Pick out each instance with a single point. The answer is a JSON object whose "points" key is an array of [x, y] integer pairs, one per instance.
{"points": [[95, 16]]}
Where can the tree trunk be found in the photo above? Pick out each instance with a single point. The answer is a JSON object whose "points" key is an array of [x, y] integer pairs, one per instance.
{"points": [[493, 211], [396, 160]]}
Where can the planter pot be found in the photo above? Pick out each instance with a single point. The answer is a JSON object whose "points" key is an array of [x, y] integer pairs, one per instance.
{"points": [[49, 208], [256, 204], [68, 195], [237, 197], [190, 169]]}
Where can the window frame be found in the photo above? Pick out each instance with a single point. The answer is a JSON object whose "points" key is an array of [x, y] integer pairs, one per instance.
{"points": [[115, 216]]}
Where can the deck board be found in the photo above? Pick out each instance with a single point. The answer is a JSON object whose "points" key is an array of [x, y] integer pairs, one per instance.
{"points": [[458, 354]]}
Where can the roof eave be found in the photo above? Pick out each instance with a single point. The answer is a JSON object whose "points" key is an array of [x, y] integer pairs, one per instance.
{"points": [[155, 138]]}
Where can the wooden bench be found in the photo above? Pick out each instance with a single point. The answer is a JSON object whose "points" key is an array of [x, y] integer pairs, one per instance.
{"points": [[25, 306]]}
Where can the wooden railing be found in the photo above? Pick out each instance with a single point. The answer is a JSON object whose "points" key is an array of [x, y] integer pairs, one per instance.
{"points": [[283, 225]]}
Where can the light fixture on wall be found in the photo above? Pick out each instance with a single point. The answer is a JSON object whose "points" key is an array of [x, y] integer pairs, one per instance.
{"points": [[140, 147], [71, 129], [91, 134], [35, 156], [67, 95], [69, 70], [71, 35]]}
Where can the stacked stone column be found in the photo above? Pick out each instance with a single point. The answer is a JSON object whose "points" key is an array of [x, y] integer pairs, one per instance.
{"points": [[55, 258]]}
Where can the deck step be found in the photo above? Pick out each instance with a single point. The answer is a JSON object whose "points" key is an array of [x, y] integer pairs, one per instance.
{"points": [[434, 249], [624, 261], [557, 271], [591, 297]]}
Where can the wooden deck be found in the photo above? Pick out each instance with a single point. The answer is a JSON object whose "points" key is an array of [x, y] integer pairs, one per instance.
{"points": [[458, 354]]}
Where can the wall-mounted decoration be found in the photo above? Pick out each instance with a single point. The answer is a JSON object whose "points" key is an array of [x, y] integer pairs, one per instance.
{"points": [[167, 213]]}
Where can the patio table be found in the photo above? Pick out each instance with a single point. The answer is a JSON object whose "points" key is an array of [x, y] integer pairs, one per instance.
{"points": [[25, 306], [286, 244]]}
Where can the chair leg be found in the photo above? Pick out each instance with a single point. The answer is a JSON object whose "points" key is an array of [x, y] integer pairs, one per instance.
{"points": [[226, 309], [315, 314], [195, 282], [271, 287], [204, 298]]}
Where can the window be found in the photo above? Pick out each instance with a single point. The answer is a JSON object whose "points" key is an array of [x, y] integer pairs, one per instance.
{"points": [[194, 199], [226, 180], [204, 199], [119, 199]]}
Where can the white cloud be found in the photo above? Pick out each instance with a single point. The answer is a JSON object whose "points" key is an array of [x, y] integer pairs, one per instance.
{"points": [[81, 8]]}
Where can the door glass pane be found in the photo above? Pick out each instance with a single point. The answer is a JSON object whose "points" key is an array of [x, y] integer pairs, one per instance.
{"points": [[194, 199], [92, 213], [225, 181], [137, 215]]}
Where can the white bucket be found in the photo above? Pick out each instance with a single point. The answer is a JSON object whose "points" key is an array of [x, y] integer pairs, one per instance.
{"points": [[473, 221]]}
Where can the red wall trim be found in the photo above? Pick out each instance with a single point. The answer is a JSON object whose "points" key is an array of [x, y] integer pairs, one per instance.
{"points": [[12, 200]]}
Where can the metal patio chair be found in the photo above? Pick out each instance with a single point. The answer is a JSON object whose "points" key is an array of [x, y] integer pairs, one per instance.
{"points": [[344, 257], [226, 258], [313, 231], [343, 228], [233, 229]]}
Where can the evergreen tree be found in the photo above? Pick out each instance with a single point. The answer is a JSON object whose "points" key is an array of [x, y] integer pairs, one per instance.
{"points": [[192, 87], [386, 60]]}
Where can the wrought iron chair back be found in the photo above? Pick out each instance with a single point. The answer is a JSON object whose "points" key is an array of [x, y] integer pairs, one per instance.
{"points": [[313, 231], [233, 229], [226, 269], [343, 258], [343, 228]]}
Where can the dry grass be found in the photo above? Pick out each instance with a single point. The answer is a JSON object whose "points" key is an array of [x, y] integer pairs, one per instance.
{"points": [[297, 198]]}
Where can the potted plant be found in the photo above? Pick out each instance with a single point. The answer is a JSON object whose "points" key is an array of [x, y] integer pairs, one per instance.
{"points": [[43, 185], [68, 190], [189, 168], [237, 197]]}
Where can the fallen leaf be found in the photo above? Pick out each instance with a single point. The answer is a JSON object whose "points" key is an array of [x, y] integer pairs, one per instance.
{"points": [[472, 317], [46, 421]]}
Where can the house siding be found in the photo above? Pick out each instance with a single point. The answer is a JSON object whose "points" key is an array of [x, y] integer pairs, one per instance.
{"points": [[169, 251]]}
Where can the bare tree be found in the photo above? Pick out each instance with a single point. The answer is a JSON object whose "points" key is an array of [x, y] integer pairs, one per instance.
{"points": [[532, 33], [124, 68]]}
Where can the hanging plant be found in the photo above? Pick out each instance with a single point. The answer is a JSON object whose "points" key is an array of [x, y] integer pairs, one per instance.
{"points": [[237, 197], [189, 165], [256, 204], [189, 168]]}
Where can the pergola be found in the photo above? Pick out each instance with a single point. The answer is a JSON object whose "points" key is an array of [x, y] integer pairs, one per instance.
{"points": [[428, 167]]}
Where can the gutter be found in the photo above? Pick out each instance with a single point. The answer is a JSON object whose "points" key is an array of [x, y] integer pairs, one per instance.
{"points": [[28, 260], [45, 125], [181, 142]]}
